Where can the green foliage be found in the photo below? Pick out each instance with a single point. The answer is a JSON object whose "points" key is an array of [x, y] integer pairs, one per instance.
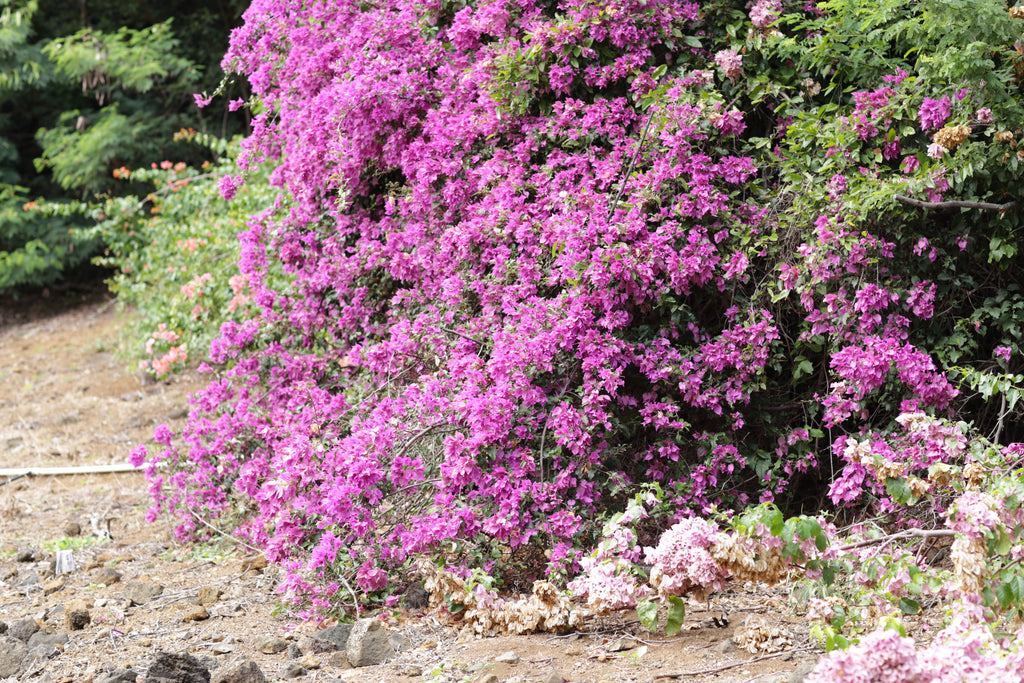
{"points": [[84, 90], [176, 252]]}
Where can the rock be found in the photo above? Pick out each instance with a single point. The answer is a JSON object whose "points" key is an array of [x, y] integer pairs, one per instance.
{"points": [[119, 676], [169, 667], [510, 657], [106, 576], [141, 592], [209, 595], [28, 579], [416, 597], [400, 642], [294, 652], [368, 644], [27, 554], [245, 671], [41, 639], [256, 563], [338, 660], [269, 645], [553, 677], [411, 670], [336, 634], [209, 662], [621, 645], [487, 678], [71, 528], [292, 670], [76, 615], [573, 651], [196, 614], [223, 648], [12, 656], [727, 646], [22, 630], [801, 672], [311, 645], [309, 662], [51, 587]]}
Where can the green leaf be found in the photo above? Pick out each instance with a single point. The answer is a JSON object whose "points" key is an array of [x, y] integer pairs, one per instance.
{"points": [[676, 615], [647, 612], [908, 606]]}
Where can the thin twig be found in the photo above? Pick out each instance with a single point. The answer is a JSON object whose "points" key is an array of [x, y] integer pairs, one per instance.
{"points": [[908, 533], [954, 204], [355, 600], [223, 533], [726, 667], [629, 170]]}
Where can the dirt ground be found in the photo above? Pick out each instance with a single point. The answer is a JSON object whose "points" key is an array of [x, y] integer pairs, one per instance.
{"points": [[67, 400]]}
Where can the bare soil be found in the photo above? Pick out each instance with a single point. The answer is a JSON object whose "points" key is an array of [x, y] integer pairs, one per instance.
{"points": [[67, 400]]}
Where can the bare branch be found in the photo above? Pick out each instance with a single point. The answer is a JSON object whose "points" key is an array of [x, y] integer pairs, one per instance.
{"points": [[907, 533], [954, 204]]}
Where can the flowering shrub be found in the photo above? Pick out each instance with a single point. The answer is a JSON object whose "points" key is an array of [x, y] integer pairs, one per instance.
{"points": [[534, 256], [176, 250]]}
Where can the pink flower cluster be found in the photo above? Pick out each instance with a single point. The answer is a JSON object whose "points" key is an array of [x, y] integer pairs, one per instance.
{"points": [[682, 559], [962, 652]]}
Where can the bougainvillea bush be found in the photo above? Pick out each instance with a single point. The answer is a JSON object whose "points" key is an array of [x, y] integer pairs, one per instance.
{"points": [[537, 254]]}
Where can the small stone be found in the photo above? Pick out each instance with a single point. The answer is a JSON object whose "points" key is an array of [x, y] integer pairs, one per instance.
{"points": [[510, 657], [76, 615], [487, 678], [368, 644], [573, 651], [246, 671], [411, 670], [256, 563], [41, 638], [209, 595], [27, 554], [141, 592], [786, 656], [170, 667], [223, 648], [292, 670], [309, 662], [22, 630], [428, 644], [336, 634], [71, 528], [51, 587], [727, 646], [801, 672], [294, 652], [28, 579], [400, 642], [338, 660], [119, 676], [196, 614], [106, 576], [621, 645], [311, 645], [12, 656], [553, 677], [144, 642], [269, 645]]}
